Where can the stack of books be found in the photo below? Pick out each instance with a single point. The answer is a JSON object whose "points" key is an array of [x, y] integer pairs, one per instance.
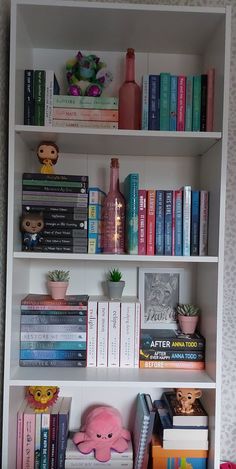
{"points": [[42, 437], [166, 348], [96, 199], [63, 201], [53, 332], [77, 460], [182, 103], [85, 111], [142, 430]]}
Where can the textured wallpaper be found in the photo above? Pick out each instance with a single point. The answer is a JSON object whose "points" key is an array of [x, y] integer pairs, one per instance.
{"points": [[228, 446]]}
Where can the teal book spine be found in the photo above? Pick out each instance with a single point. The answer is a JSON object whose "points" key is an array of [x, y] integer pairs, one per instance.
{"points": [[131, 196], [145, 99], [189, 104], [196, 103], [164, 101]]}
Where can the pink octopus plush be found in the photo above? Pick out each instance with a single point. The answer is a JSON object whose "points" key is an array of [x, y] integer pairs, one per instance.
{"points": [[102, 432]]}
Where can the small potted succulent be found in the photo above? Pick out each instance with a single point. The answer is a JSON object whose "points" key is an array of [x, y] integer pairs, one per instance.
{"points": [[188, 315], [114, 284], [58, 281]]}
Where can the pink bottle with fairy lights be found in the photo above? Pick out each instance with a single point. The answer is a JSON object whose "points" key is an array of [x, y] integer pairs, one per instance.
{"points": [[113, 215], [130, 97]]}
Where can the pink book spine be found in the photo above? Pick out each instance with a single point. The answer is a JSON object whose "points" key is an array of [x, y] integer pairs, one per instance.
{"points": [[142, 215], [52, 308], [28, 441], [210, 99], [85, 114], [181, 103], [151, 203], [173, 224]]}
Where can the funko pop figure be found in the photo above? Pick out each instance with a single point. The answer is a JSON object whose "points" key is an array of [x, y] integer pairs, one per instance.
{"points": [[31, 226], [47, 153]]}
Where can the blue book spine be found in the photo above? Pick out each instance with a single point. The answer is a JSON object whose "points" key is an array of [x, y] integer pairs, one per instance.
{"points": [[186, 220], [145, 100], [178, 223], [195, 221], [131, 195], [189, 104], [154, 102], [160, 222], [44, 455], [52, 354], [173, 101], [164, 101], [34, 345], [168, 223]]}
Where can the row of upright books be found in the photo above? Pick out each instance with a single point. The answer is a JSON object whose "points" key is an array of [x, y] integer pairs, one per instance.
{"points": [[182, 103]]}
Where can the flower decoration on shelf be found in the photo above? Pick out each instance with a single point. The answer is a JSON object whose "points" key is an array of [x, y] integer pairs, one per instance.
{"points": [[41, 398]]}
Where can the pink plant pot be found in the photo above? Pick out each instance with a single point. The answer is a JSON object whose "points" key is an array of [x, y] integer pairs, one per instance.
{"points": [[188, 324], [57, 290]]}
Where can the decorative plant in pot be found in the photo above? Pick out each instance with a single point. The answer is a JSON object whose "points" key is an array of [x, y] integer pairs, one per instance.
{"points": [[115, 285], [58, 281], [188, 315]]}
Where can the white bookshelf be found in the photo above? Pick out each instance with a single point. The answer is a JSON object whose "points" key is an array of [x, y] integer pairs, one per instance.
{"points": [[181, 40]]}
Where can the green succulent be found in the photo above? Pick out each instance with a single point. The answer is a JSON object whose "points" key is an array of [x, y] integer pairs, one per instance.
{"points": [[187, 310], [59, 276], [114, 275]]}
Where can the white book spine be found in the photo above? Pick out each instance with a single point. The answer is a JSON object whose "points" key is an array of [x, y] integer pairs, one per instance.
{"points": [[203, 227], [49, 83], [114, 334], [186, 220], [92, 333], [84, 123], [127, 335], [102, 334], [137, 334], [114, 464]]}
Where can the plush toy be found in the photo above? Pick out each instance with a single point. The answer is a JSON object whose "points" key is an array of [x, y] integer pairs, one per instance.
{"points": [[47, 153], [85, 76], [102, 432], [31, 225], [41, 398]]}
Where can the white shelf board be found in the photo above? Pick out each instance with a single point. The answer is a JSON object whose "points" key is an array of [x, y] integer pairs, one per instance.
{"points": [[112, 257], [120, 142], [111, 377]]}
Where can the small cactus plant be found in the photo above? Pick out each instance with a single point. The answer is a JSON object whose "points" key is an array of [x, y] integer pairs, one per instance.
{"points": [[59, 276], [187, 310], [114, 275]]}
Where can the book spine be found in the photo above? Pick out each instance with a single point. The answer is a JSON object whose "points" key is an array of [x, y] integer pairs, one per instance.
{"points": [[37, 446], [39, 97], [28, 97], [62, 439], [84, 123], [87, 102], [79, 302], [173, 102], [164, 101], [184, 365], [58, 179], [96, 196], [55, 337], [94, 226], [53, 441], [127, 335], [112, 463], [52, 319], [92, 334], [28, 441], [132, 187], [52, 328], [65, 249], [80, 198], [72, 227], [102, 334], [54, 363], [160, 223], [85, 114], [155, 344], [51, 355], [186, 220], [62, 189], [203, 227], [81, 232], [142, 215], [195, 219], [196, 102], [145, 99], [64, 345], [203, 117], [153, 102], [47, 201], [20, 436], [137, 334], [168, 223], [173, 224], [172, 355], [94, 212], [181, 103], [114, 334], [210, 99], [81, 242], [178, 223], [189, 104], [151, 208], [49, 85], [53, 309], [94, 244]]}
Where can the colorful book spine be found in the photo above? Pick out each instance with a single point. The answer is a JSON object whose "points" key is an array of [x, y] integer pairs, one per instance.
{"points": [[178, 223], [173, 102], [39, 97], [142, 219], [84, 123], [151, 208], [181, 103], [168, 223], [174, 365], [172, 355], [85, 114], [37, 446], [131, 196], [195, 221], [45, 427], [58, 336], [102, 334], [46, 345], [53, 433], [96, 199], [92, 333], [203, 118], [137, 327], [164, 101], [196, 103], [173, 224], [186, 220], [114, 334], [96, 196], [57, 178], [53, 363], [28, 97], [210, 99], [87, 102], [203, 227], [28, 438], [53, 309], [94, 243], [160, 222], [189, 104], [60, 328], [153, 105], [20, 434], [51, 355], [127, 334], [145, 100], [94, 212]]}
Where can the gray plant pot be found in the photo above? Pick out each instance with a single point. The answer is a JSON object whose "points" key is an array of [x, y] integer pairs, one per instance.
{"points": [[115, 289]]}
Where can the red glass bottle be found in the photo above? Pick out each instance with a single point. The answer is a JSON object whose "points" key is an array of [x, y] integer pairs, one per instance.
{"points": [[130, 97], [113, 215]]}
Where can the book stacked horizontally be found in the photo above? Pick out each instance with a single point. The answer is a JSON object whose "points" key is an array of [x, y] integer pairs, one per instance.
{"points": [[169, 348], [53, 332], [41, 437], [77, 460], [85, 111], [63, 201], [96, 199]]}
